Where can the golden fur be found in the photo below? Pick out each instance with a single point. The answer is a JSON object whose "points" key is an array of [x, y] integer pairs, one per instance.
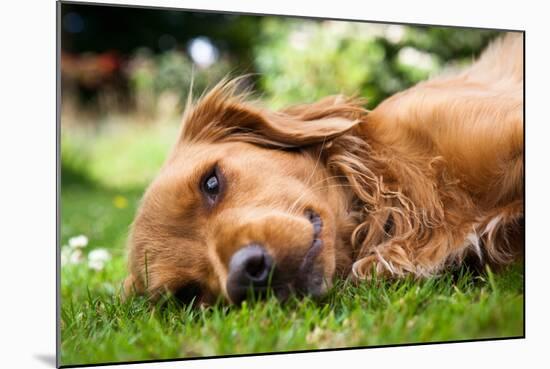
{"points": [[433, 174]]}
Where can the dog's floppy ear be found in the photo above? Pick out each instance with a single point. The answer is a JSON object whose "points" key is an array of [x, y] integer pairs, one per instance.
{"points": [[312, 123], [222, 114]]}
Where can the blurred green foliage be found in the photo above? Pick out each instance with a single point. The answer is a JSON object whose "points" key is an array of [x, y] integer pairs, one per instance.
{"points": [[119, 155], [301, 60], [160, 83], [305, 60]]}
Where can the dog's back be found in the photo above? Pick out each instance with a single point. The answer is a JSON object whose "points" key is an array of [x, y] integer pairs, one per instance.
{"points": [[473, 120]]}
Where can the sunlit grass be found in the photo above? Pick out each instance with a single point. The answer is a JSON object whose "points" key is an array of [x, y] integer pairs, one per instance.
{"points": [[118, 154]]}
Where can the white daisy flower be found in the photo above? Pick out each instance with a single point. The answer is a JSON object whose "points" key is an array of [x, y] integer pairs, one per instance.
{"points": [[75, 256], [78, 242], [65, 255], [97, 258]]}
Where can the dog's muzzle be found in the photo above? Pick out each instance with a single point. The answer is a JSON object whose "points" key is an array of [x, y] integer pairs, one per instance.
{"points": [[252, 270]]}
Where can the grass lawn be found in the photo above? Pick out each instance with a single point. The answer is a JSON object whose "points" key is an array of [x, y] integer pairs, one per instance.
{"points": [[96, 326]]}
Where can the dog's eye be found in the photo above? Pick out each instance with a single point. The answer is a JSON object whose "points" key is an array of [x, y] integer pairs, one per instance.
{"points": [[211, 185]]}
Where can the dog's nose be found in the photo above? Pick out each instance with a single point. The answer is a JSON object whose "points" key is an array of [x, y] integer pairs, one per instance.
{"points": [[250, 269]]}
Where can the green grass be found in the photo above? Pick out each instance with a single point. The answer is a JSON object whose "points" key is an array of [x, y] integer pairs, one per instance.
{"points": [[96, 326]]}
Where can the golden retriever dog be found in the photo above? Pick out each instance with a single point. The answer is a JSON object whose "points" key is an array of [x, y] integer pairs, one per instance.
{"points": [[253, 200]]}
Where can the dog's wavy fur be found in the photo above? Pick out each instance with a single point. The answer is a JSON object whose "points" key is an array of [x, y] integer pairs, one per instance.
{"points": [[430, 176]]}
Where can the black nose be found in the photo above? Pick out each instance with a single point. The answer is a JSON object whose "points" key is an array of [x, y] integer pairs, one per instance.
{"points": [[250, 269]]}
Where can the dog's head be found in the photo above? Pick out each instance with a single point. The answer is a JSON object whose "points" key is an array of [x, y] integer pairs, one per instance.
{"points": [[245, 200]]}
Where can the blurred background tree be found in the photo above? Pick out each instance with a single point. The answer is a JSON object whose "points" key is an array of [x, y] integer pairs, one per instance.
{"points": [[304, 60]]}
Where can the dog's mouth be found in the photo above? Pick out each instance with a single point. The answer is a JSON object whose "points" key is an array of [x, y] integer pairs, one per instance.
{"points": [[309, 276], [308, 264]]}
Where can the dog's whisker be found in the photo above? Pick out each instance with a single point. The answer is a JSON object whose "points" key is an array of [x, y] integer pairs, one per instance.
{"points": [[316, 161]]}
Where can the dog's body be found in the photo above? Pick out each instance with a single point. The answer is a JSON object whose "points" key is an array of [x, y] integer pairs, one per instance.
{"points": [[291, 199], [456, 144]]}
